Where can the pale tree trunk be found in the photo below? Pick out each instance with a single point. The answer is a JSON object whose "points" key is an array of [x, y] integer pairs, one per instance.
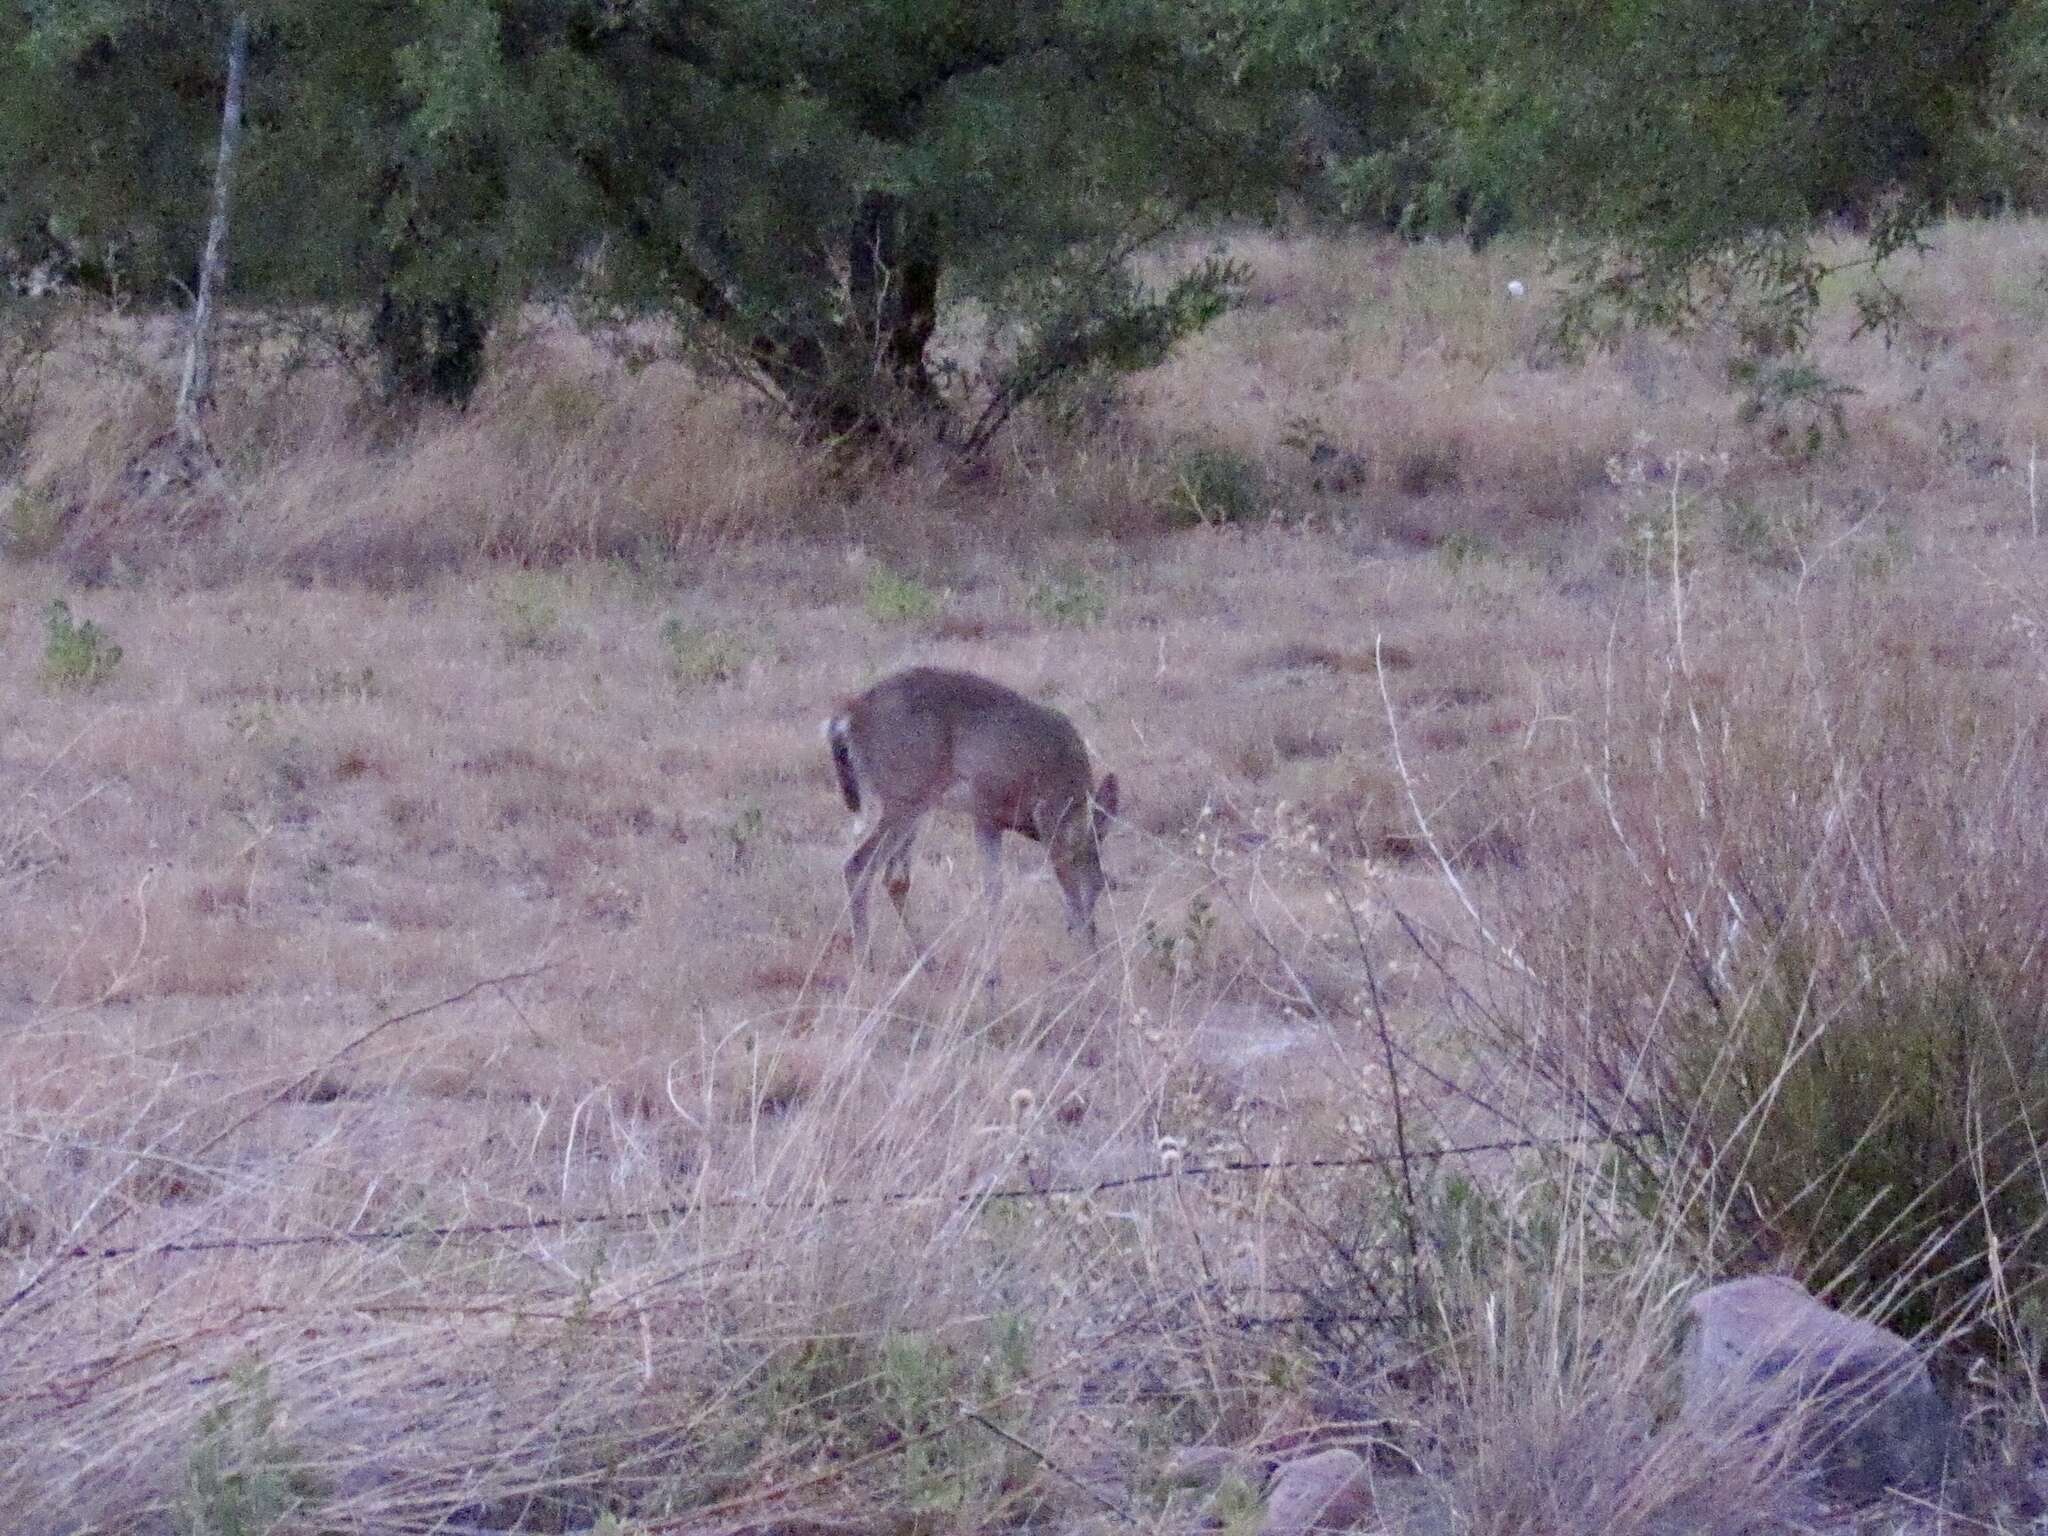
{"points": [[195, 390]]}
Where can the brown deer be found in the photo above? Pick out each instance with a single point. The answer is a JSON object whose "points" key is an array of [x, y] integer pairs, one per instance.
{"points": [[925, 736]]}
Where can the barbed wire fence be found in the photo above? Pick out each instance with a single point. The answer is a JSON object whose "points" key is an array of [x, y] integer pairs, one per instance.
{"points": [[95, 1252]]}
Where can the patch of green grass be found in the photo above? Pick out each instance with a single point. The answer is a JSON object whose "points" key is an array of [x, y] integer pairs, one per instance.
{"points": [[242, 1476], [529, 610], [1237, 1509], [32, 523], [1896, 1135], [893, 598], [1460, 550], [75, 654], [1071, 598], [698, 654]]}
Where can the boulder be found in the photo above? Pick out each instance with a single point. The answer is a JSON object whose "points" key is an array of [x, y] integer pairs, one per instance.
{"points": [[1851, 1403], [1329, 1491]]}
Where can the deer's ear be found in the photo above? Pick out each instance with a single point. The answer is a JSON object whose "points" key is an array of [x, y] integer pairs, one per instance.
{"points": [[1105, 803]]}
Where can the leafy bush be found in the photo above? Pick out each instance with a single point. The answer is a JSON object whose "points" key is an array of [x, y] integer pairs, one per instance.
{"points": [[1880, 1115], [1799, 408], [1216, 486], [76, 655], [1807, 992], [242, 1477], [1772, 537]]}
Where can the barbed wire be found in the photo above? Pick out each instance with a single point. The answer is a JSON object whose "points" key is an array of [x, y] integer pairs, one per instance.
{"points": [[454, 1232]]}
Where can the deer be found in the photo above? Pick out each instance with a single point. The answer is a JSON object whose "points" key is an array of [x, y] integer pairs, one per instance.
{"points": [[924, 737]]}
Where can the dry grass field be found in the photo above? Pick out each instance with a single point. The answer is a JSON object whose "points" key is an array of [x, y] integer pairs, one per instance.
{"points": [[435, 1089]]}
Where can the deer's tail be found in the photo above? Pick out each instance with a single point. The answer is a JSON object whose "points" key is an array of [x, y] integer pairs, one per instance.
{"points": [[842, 761]]}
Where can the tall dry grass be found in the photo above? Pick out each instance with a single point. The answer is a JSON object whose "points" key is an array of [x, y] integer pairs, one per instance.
{"points": [[1564, 764]]}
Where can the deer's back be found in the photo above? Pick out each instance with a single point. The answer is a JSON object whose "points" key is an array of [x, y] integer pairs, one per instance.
{"points": [[928, 733]]}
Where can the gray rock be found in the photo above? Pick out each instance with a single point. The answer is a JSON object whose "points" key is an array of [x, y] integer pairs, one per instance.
{"points": [[1329, 1491], [1849, 1402]]}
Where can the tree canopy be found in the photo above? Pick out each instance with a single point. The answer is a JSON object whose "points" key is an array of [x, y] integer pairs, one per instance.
{"points": [[809, 187]]}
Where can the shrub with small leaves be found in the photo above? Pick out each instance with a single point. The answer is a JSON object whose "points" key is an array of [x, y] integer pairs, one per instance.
{"points": [[1215, 486], [1799, 409], [242, 1476], [1180, 953], [1770, 536], [1883, 1110], [76, 655]]}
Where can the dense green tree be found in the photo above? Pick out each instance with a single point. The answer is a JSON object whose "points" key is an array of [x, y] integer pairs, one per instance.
{"points": [[813, 189], [821, 177], [1688, 147], [403, 157], [802, 184]]}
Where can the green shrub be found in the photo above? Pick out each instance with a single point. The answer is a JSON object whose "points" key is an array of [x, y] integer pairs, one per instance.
{"points": [[1881, 1116], [242, 1477], [1770, 537], [1799, 409], [76, 655], [906, 1395], [892, 598], [1650, 535], [1216, 486]]}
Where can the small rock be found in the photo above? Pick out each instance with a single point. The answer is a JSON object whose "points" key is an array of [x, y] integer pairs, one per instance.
{"points": [[1329, 1491], [1761, 1351]]}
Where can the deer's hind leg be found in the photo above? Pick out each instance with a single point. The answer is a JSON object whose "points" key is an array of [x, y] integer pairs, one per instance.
{"points": [[887, 848], [988, 836], [896, 880]]}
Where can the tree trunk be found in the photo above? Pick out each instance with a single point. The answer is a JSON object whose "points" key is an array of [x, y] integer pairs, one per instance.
{"points": [[432, 348], [195, 390], [893, 281]]}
